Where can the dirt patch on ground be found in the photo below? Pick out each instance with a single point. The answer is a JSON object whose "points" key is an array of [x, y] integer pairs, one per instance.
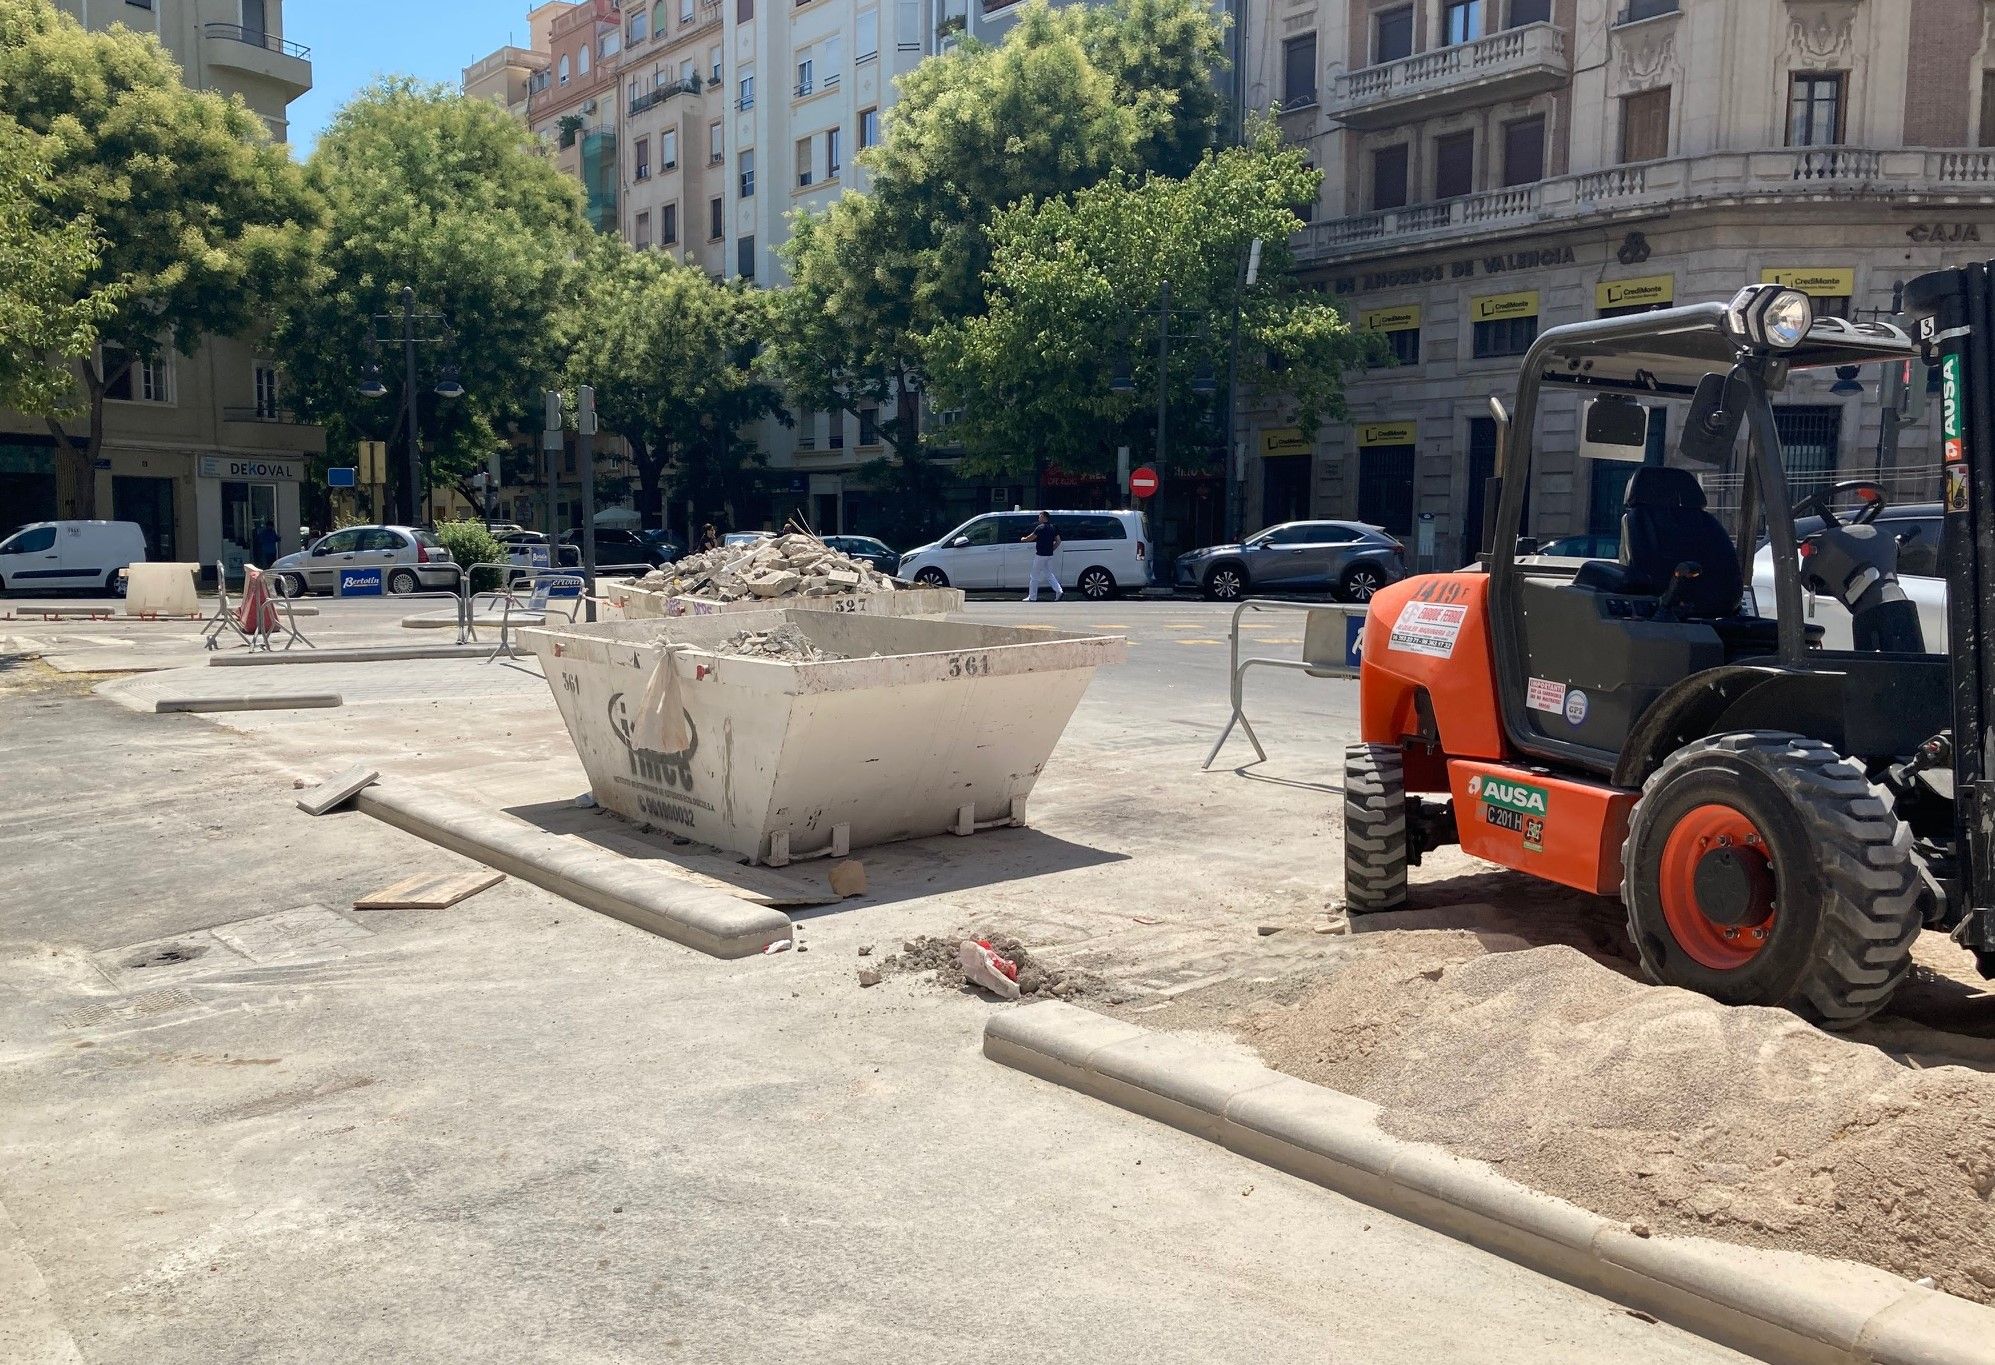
{"points": [[1661, 1107], [938, 954]]}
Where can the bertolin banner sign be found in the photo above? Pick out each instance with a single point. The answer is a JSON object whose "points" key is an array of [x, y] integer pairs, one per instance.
{"points": [[248, 467]]}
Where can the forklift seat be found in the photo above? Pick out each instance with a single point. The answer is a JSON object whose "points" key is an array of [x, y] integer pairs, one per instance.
{"points": [[1664, 523]]}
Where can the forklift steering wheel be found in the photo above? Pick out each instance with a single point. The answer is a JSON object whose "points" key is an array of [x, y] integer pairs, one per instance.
{"points": [[1869, 492]]}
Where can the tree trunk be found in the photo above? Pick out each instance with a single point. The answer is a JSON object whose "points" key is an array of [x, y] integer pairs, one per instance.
{"points": [[650, 464], [76, 460]]}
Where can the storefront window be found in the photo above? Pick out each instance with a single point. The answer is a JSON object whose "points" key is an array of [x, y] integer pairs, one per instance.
{"points": [[246, 507]]}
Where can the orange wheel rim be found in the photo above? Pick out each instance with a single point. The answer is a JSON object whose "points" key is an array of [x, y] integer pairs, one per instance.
{"points": [[1711, 942]]}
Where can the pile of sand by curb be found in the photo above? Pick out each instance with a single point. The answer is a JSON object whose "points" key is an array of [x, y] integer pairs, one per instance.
{"points": [[1658, 1106]]}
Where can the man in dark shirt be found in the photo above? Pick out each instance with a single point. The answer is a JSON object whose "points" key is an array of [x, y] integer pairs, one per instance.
{"points": [[1045, 540]]}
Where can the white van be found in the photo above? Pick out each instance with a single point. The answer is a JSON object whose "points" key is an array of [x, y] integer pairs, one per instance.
{"points": [[1100, 554], [70, 556]]}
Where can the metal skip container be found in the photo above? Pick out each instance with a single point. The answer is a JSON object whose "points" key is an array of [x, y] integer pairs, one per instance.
{"points": [[918, 727]]}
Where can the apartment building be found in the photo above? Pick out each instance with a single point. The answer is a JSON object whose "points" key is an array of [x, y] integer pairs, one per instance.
{"points": [[1495, 167], [199, 450], [699, 126]]}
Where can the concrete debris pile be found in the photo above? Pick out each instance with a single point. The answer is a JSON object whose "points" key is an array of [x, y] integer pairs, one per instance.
{"points": [[1036, 977], [795, 565], [785, 644]]}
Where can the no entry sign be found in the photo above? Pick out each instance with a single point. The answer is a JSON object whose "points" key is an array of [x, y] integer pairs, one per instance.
{"points": [[1143, 482]]}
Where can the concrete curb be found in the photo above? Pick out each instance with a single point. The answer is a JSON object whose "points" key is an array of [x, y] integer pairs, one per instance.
{"points": [[447, 620], [1778, 1306], [361, 655], [291, 701], [710, 921]]}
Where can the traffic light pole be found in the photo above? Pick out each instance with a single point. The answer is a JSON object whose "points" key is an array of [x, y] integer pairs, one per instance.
{"points": [[585, 426]]}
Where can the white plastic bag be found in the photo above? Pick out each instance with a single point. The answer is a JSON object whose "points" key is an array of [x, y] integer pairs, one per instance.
{"points": [[660, 726]]}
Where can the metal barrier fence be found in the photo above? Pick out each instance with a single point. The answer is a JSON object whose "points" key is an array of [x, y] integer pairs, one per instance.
{"points": [[1331, 635], [271, 612]]}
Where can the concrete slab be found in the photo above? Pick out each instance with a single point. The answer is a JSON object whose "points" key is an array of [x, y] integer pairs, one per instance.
{"points": [[266, 701], [337, 789]]}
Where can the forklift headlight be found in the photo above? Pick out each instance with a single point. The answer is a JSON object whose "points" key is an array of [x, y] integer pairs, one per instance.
{"points": [[1765, 315], [1787, 319]]}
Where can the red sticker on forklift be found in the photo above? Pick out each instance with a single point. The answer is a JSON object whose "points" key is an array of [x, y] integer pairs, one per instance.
{"points": [[1429, 628], [1542, 694]]}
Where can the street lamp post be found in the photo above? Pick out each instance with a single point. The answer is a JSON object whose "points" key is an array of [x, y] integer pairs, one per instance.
{"points": [[447, 385]]}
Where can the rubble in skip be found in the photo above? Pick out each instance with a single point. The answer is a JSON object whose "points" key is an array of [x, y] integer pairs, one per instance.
{"points": [[793, 565]]}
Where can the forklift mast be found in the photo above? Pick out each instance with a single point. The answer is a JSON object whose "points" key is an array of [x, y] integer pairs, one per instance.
{"points": [[1955, 313]]}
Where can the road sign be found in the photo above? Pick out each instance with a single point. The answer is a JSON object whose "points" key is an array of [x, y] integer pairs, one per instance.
{"points": [[338, 477], [357, 583], [1143, 482]]}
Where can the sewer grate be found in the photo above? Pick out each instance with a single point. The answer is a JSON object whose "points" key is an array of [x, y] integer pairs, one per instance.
{"points": [[166, 957], [125, 1011]]}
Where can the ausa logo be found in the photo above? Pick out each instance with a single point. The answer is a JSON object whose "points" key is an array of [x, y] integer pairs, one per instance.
{"points": [[1518, 796]]}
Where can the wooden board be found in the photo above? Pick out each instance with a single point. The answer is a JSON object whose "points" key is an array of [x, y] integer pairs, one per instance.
{"points": [[429, 891]]}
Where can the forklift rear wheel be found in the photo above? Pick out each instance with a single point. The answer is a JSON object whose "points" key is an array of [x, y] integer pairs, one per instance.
{"points": [[1763, 868], [1374, 829]]}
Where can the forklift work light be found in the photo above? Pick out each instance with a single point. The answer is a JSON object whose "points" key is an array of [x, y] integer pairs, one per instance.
{"points": [[1766, 315]]}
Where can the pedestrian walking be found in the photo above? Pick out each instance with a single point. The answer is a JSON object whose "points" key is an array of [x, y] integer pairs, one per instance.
{"points": [[1045, 540], [266, 545]]}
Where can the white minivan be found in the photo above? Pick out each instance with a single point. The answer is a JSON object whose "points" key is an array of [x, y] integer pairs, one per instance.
{"points": [[1101, 554], [70, 556]]}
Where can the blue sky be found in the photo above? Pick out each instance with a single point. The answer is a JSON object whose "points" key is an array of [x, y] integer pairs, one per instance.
{"points": [[353, 41]]}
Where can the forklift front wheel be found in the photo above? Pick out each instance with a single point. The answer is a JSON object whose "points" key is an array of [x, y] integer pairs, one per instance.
{"points": [[1763, 868], [1374, 829]]}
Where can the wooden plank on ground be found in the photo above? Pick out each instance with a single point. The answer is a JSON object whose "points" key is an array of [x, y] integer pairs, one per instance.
{"points": [[429, 891]]}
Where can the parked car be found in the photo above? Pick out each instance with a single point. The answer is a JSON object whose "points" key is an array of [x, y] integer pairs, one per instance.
{"points": [[746, 537], [65, 556], [615, 545], [871, 551], [1586, 545], [669, 547], [1919, 527], [409, 559], [1349, 558], [1100, 554]]}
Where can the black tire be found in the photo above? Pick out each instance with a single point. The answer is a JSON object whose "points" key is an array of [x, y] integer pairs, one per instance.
{"points": [[1360, 581], [114, 583], [1846, 896], [402, 582], [287, 585], [1225, 582], [1374, 829], [1096, 584], [932, 577]]}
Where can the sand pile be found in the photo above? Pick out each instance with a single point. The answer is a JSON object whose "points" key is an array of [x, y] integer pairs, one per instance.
{"points": [[794, 565], [1658, 1106], [937, 954]]}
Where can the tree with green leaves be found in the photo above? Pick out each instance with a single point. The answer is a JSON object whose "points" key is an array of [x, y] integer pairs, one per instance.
{"points": [[48, 311], [201, 223], [451, 197], [1069, 97], [672, 355], [1073, 293]]}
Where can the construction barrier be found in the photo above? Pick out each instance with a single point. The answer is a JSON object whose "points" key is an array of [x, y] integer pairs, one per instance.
{"points": [[1332, 634]]}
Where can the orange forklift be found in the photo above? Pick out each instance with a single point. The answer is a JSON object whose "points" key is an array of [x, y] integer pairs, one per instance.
{"points": [[1780, 820]]}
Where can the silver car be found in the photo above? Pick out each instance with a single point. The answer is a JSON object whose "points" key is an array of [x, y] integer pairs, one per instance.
{"points": [[367, 561], [1349, 558]]}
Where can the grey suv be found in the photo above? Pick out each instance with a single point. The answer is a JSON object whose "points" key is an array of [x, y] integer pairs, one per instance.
{"points": [[1345, 557], [407, 558]]}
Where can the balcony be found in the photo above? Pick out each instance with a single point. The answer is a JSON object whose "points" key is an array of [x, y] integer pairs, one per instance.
{"points": [[1510, 65], [253, 52], [657, 95], [1785, 176]]}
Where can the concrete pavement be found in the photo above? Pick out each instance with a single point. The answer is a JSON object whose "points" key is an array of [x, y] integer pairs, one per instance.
{"points": [[515, 1128]]}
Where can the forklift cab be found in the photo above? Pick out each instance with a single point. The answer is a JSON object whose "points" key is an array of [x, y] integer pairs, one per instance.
{"points": [[1583, 656]]}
